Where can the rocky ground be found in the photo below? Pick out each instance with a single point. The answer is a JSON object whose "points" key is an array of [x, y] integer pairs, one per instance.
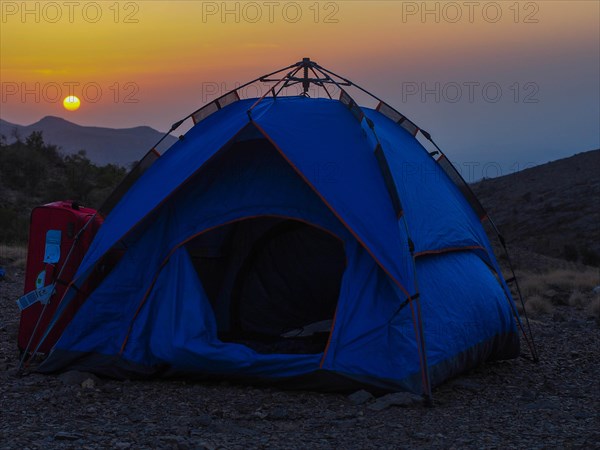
{"points": [[550, 209], [552, 404]]}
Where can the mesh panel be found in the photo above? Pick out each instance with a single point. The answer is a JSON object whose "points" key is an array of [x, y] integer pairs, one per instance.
{"points": [[394, 115], [458, 180], [205, 111], [390, 112], [135, 173], [351, 104], [228, 99], [410, 127], [214, 106]]}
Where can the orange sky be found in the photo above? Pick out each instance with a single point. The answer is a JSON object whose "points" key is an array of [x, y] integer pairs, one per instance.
{"points": [[166, 55]]}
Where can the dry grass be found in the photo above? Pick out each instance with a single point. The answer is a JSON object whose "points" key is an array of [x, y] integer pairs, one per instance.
{"points": [[560, 286], [13, 255], [577, 299], [593, 308], [558, 280], [537, 304]]}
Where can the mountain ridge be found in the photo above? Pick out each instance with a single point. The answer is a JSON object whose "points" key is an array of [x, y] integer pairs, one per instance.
{"points": [[103, 145], [551, 209]]}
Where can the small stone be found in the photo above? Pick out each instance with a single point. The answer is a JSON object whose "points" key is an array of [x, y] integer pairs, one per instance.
{"points": [[558, 317], [88, 384], [395, 399], [204, 420], [278, 414], [122, 445], [543, 404], [260, 414], [421, 436], [360, 397], [73, 377], [66, 436], [170, 439], [466, 385], [181, 431], [528, 396]]}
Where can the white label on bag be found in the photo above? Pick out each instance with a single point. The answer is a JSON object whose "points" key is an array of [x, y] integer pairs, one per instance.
{"points": [[41, 295]]}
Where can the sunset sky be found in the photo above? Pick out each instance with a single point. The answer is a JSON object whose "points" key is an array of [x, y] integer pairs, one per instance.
{"points": [[153, 62]]}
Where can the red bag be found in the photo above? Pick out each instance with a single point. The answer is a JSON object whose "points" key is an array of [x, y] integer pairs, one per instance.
{"points": [[54, 230]]}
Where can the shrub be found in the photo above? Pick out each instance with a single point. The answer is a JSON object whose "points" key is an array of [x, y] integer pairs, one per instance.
{"points": [[593, 308], [589, 257], [33, 172], [577, 299], [13, 226], [570, 252], [560, 286], [13, 255], [538, 304]]}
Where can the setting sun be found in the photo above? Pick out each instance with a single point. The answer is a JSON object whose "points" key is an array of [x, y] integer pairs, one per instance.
{"points": [[71, 103]]}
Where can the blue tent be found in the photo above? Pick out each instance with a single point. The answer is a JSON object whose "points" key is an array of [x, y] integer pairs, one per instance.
{"points": [[297, 240]]}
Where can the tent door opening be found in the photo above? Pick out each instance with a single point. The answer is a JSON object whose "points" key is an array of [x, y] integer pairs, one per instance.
{"points": [[273, 282]]}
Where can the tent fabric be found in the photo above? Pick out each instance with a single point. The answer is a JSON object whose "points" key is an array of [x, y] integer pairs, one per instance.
{"points": [[427, 192], [344, 173], [308, 161]]}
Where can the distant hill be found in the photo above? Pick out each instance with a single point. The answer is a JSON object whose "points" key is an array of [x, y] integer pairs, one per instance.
{"points": [[103, 145], [552, 209]]}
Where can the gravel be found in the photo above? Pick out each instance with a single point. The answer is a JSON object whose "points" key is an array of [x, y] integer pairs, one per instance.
{"points": [[554, 403]]}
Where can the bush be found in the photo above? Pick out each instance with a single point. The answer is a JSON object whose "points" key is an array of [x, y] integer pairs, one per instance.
{"points": [[538, 304], [570, 253], [594, 308], [13, 226], [33, 172], [559, 287], [577, 299], [589, 257], [22, 168]]}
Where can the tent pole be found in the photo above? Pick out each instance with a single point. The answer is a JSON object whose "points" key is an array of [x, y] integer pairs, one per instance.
{"points": [[173, 128], [322, 84], [417, 317], [306, 64], [428, 394], [305, 82], [249, 112], [284, 85], [530, 339]]}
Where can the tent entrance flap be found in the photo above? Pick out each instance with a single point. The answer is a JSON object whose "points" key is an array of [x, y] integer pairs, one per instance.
{"points": [[273, 282]]}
